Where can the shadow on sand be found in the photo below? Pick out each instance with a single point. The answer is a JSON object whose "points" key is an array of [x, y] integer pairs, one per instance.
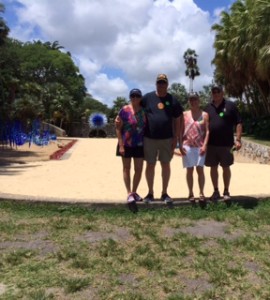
{"points": [[246, 202]]}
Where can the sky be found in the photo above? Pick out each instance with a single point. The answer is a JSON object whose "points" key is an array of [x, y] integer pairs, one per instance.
{"points": [[118, 44]]}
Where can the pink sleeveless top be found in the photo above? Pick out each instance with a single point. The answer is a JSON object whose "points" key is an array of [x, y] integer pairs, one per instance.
{"points": [[194, 130]]}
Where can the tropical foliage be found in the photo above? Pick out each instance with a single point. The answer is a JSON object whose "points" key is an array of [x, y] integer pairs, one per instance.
{"points": [[90, 105], [242, 55], [38, 81], [180, 93], [117, 104], [3, 26]]}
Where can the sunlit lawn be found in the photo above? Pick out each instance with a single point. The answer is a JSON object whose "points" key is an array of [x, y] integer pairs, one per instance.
{"points": [[50, 251]]}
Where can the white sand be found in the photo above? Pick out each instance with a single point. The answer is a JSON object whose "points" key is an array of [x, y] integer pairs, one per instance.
{"points": [[90, 172]]}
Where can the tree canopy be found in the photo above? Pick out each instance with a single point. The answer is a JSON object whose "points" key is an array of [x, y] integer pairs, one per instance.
{"points": [[4, 30], [42, 78], [242, 54], [180, 93]]}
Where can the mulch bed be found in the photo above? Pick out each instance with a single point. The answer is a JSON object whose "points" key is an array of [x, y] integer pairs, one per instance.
{"points": [[58, 154]]}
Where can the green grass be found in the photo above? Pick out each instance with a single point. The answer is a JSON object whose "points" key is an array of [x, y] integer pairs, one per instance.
{"points": [[50, 251]]}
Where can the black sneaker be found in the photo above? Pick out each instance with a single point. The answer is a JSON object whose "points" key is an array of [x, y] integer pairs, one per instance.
{"points": [[137, 197], [215, 196], [149, 198], [166, 198]]}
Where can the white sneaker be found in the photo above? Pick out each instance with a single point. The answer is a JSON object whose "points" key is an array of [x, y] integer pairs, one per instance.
{"points": [[131, 198], [226, 196]]}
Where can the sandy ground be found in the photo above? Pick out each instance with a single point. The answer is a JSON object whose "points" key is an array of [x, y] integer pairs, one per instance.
{"points": [[25, 154], [90, 172]]}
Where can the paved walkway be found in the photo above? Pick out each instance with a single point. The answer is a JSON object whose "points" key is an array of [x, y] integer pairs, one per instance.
{"points": [[90, 172]]}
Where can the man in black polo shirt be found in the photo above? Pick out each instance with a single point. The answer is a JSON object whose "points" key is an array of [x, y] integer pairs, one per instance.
{"points": [[163, 127], [224, 117]]}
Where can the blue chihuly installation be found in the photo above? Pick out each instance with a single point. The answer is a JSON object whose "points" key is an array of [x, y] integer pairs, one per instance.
{"points": [[15, 134], [97, 120]]}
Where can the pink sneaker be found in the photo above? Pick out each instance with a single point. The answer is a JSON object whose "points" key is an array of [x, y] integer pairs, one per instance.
{"points": [[131, 198], [132, 203]]}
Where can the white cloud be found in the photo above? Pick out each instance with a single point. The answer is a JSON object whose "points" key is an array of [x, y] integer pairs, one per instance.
{"points": [[87, 66], [217, 14], [140, 38], [108, 89]]}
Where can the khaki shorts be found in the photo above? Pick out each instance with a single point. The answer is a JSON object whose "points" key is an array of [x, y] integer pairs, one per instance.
{"points": [[157, 150], [218, 156]]}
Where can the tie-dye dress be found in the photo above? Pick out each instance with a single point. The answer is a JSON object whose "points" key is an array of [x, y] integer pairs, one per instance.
{"points": [[133, 126]]}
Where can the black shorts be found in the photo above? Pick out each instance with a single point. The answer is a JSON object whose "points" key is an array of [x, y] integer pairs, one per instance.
{"points": [[219, 156], [136, 152]]}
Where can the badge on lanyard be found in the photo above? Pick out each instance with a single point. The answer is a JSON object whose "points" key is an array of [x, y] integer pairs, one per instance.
{"points": [[221, 114], [160, 105]]}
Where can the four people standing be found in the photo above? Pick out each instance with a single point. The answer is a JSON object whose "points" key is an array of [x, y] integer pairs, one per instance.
{"points": [[150, 127]]}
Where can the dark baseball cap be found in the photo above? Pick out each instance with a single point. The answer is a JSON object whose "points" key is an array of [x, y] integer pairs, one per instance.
{"points": [[217, 87], [135, 92], [162, 77]]}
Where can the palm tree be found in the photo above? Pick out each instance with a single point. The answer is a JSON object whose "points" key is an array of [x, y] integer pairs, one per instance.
{"points": [[53, 46], [192, 70], [242, 56], [262, 43]]}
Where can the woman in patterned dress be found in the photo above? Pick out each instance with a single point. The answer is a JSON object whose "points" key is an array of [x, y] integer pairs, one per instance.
{"points": [[130, 127]]}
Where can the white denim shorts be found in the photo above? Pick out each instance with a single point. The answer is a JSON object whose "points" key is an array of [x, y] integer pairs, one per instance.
{"points": [[193, 157]]}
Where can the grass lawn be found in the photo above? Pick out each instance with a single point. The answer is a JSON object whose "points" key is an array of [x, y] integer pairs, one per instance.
{"points": [[50, 251]]}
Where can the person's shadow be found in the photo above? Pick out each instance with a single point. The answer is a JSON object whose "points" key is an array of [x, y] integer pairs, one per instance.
{"points": [[97, 133], [247, 202]]}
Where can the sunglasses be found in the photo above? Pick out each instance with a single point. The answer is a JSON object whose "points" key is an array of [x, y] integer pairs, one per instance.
{"points": [[216, 92], [135, 96], [161, 82]]}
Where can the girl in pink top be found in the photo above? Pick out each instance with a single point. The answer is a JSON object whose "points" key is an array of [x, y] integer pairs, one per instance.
{"points": [[193, 150]]}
